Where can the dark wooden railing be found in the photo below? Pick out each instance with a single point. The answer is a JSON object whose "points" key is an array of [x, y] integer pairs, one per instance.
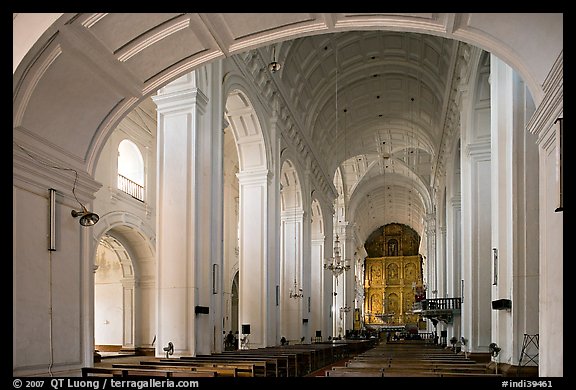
{"points": [[439, 304]]}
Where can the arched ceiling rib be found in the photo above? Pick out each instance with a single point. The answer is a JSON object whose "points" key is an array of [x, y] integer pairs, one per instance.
{"points": [[392, 92], [370, 96]]}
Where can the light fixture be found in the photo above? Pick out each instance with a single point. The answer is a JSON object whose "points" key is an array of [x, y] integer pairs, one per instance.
{"points": [[274, 66], [336, 264], [296, 292], [87, 218], [345, 309]]}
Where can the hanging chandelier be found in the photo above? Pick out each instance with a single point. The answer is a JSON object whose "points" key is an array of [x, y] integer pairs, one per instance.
{"points": [[335, 263], [296, 292]]}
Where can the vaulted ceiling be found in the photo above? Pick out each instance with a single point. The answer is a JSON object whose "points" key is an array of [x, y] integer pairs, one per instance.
{"points": [[373, 104]]}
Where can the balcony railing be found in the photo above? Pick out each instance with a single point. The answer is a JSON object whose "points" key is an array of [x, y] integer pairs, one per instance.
{"points": [[131, 188], [441, 309], [438, 304]]}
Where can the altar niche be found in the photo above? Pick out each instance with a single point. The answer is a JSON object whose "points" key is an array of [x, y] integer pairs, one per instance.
{"points": [[392, 276]]}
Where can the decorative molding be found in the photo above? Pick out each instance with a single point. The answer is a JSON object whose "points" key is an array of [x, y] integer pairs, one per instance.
{"points": [[93, 19], [253, 66], [129, 51], [552, 105], [451, 118]]}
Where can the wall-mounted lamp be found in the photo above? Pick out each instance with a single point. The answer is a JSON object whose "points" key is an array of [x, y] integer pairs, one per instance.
{"points": [[87, 218]]}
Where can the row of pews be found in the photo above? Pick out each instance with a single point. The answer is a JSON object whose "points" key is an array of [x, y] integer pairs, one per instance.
{"points": [[410, 359], [278, 361]]}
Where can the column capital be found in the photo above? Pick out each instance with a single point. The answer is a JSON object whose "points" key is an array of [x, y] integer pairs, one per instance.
{"points": [[259, 176], [181, 100]]}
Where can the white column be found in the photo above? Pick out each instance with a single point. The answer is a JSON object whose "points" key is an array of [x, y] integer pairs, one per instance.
{"points": [[316, 281], [184, 228], [476, 211], [210, 223], [291, 309], [329, 286], [476, 246], [551, 268], [441, 262], [257, 289], [515, 216], [526, 223], [348, 278], [453, 256], [432, 291], [128, 304], [503, 203]]}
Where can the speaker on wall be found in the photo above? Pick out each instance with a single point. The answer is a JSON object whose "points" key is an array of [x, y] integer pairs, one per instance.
{"points": [[245, 328], [318, 333], [201, 310], [502, 304]]}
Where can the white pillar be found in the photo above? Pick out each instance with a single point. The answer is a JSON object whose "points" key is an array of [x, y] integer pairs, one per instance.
{"points": [[453, 256], [317, 282], [349, 285], [128, 304], [328, 286], [503, 203], [476, 213], [430, 227], [515, 214], [551, 268], [291, 308], [257, 289], [187, 219], [441, 261]]}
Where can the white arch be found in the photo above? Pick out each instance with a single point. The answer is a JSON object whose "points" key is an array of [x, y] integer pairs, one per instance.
{"points": [[138, 240], [251, 134], [44, 69]]}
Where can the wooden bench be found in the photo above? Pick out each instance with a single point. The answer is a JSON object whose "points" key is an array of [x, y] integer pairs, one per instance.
{"points": [[416, 359], [218, 371], [130, 372], [376, 372], [263, 366], [287, 362], [242, 369]]}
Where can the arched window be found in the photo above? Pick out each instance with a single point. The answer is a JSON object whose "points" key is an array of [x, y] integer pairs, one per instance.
{"points": [[130, 170]]}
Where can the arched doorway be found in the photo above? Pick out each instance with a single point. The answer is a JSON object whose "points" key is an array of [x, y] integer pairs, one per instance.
{"points": [[113, 297]]}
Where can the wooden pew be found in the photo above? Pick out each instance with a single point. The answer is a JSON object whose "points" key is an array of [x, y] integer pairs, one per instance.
{"points": [[285, 359], [130, 372], [242, 369], [218, 371], [270, 366], [414, 359]]}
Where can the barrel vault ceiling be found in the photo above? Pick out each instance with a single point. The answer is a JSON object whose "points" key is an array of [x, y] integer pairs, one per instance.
{"points": [[372, 105]]}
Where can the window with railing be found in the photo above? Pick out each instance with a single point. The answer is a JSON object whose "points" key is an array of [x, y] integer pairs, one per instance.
{"points": [[131, 188], [130, 170]]}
